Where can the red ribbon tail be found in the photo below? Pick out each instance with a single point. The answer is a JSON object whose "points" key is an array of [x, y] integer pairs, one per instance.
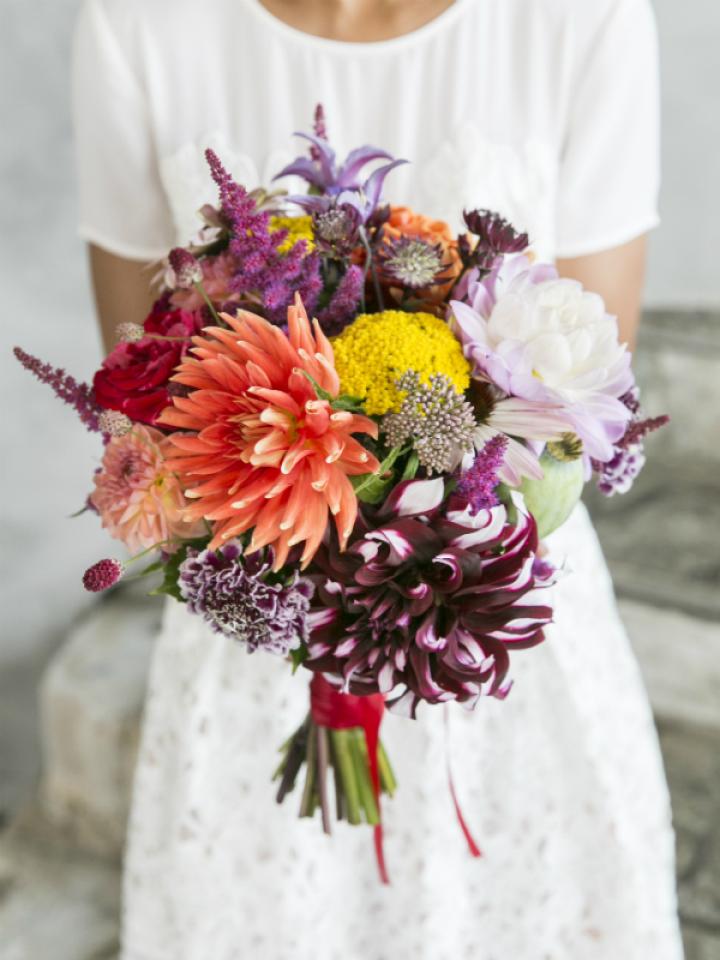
{"points": [[472, 846], [380, 854], [474, 849]]}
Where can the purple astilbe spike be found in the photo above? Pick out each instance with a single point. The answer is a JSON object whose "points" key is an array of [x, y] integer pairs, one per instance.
{"points": [[262, 270], [476, 486], [344, 302], [319, 129], [80, 396]]}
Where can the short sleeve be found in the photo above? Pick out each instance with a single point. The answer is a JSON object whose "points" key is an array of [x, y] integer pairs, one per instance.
{"points": [[122, 205], [609, 173]]}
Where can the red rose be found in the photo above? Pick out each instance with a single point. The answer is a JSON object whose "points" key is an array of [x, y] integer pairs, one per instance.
{"points": [[134, 377]]}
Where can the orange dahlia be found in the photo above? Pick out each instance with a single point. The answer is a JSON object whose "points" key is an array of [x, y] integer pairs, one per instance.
{"points": [[261, 450]]}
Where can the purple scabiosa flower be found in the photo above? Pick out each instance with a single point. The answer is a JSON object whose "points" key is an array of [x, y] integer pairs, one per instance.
{"points": [[185, 267], [438, 420], [476, 486], [240, 598], [412, 262], [344, 302], [80, 396], [427, 600], [102, 575], [618, 474]]}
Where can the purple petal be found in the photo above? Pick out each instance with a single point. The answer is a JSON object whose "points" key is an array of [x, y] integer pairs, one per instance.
{"points": [[355, 161]]}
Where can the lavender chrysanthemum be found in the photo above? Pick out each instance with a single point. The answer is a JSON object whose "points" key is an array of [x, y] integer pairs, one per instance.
{"points": [[236, 596], [438, 420], [476, 486], [412, 262], [80, 396]]}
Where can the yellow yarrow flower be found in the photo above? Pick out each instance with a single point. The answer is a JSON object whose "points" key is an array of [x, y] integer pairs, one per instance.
{"points": [[374, 351], [298, 228]]}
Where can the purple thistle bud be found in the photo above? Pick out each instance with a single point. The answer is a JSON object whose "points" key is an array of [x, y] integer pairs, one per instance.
{"points": [[102, 575], [476, 486], [186, 268], [80, 396], [129, 332], [344, 302]]}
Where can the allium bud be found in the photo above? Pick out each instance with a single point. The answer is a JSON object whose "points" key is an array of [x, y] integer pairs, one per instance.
{"points": [[186, 268], [129, 332], [115, 423], [102, 575]]}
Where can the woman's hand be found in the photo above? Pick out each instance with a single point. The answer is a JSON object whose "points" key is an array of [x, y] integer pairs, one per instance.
{"points": [[618, 275], [123, 291]]}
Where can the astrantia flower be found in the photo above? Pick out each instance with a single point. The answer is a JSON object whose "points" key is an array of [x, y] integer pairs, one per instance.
{"points": [[377, 348], [239, 598], [428, 601], [185, 268], [140, 501], [259, 450], [545, 339], [404, 222], [438, 420], [411, 262]]}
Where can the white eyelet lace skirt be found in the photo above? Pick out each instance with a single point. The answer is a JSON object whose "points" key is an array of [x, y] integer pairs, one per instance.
{"points": [[562, 785]]}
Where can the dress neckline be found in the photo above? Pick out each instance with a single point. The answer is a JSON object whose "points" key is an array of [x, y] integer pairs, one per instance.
{"points": [[449, 15]]}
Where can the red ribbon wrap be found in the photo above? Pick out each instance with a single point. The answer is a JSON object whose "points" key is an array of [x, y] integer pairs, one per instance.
{"points": [[342, 711]]}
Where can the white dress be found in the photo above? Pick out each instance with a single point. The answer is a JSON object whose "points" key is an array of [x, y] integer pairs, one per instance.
{"points": [[547, 111]]}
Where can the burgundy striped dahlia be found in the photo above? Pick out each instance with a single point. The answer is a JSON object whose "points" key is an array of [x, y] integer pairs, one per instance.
{"points": [[430, 600]]}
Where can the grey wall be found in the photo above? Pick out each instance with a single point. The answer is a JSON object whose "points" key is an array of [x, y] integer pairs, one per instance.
{"points": [[46, 307]]}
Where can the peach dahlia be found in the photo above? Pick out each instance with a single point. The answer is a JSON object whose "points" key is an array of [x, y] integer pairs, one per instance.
{"points": [[259, 450]]}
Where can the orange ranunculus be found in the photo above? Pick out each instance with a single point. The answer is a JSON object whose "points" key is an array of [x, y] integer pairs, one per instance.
{"points": [[261, 450], [405, 222], [138, 498]]}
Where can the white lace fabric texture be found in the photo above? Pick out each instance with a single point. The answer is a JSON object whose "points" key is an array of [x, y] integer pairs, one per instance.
{"points": [[561, 784]]}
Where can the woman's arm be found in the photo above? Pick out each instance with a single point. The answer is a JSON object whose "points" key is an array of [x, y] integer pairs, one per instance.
{"points": [[122, 290], [618, 275]]}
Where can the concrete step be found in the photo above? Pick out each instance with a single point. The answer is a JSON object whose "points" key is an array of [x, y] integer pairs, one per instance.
{"points": [[91, 700], [55, 902]]}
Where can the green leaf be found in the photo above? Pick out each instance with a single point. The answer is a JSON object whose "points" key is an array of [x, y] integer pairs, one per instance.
{"points": [[411, 467], [298, 657], [372, 487], [319, 391], [171, 569]]}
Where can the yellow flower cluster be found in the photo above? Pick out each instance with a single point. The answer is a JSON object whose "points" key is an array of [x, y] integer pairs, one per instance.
{"points": [[378, 348], [298, 228]]}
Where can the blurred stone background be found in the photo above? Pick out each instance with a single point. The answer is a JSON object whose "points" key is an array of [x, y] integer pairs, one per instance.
{"points": [[72, 673]]}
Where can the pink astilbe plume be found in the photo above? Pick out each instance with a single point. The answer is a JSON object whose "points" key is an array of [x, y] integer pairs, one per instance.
{"points": [[80, 396]]}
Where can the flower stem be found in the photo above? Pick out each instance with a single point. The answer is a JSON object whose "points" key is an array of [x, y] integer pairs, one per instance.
{"points": [[341, 743], [362, 773], [208, 302], [322, 765], [306, 804]]}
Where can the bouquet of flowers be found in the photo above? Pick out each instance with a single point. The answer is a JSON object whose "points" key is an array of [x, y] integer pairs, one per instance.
{"points": [[363, 493]]}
